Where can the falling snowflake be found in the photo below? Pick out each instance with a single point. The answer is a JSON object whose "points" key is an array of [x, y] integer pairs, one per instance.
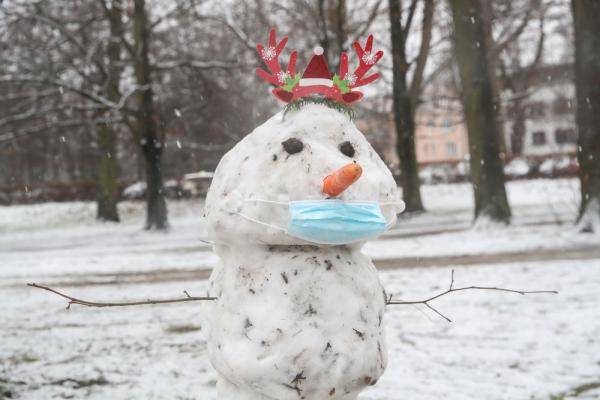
{"points": [[350, 78], [281, 76], [368, 58], [268, 54]]}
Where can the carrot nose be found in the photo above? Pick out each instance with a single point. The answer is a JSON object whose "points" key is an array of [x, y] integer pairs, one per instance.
{"points": [[339, 180]]}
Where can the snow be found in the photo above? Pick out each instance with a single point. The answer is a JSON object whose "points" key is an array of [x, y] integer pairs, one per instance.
{"points": [[499, 345], [62, 241], [136, 190], [547, 166], [517, 168]]}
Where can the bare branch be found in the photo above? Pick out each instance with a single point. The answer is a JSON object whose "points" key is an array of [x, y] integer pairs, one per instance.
{"points": [[424, 50], [232, 26], [74, 300], [179, 8], [451, 289], [10, 136], [539, 52], [508, 38], [83, 93], [367, 25], [197, 64], [409, 19]]}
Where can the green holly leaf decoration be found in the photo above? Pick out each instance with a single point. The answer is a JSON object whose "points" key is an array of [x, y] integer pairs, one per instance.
{"points": [[342, 84], [290, 82]]}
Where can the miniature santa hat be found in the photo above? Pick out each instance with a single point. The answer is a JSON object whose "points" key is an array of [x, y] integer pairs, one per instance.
{"points": [[316, 72]]}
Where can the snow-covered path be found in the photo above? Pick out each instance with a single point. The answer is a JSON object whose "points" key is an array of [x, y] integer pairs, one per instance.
{"points": [[499, 345]]}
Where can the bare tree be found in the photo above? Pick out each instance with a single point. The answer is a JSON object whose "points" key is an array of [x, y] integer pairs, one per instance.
{"points": [[406, 96], [587, 85], [146, 121], [506, 56], [107, 136], [471, 49]]}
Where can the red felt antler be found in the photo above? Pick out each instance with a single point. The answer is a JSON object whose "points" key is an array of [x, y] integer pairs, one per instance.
{"points": [[270, 56], [366, 60]]}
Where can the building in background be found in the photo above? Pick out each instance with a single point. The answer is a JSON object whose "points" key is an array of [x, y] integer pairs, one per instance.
{"points": [[441, 135], [539, 129], [548, 112]]}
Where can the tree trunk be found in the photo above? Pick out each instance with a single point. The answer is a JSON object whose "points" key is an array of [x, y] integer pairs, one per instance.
{"points": [[332, 16], [146, 121], [481, 116], [487, 15], [517, 136], [587, 85], [108, 169], [404, 113]]}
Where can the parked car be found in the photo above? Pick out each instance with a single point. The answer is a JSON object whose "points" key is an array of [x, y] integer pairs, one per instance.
{"points": [[439, 173], [563, 166], [566, 166], [517, 168], [546, 168], [135, 191], [197, 183]]}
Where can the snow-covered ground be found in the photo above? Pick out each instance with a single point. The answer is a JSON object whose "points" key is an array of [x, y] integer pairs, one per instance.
{"points": [[499, 345]]}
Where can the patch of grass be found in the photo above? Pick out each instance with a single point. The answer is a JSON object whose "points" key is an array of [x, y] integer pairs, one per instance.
{"points": [[6, 390], [22, 359], [576, 391], [179, 329], [81, 383], [586, 387]]}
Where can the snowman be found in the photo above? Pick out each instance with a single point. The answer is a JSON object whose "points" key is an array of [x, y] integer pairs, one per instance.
{"points": [[300, 309]]}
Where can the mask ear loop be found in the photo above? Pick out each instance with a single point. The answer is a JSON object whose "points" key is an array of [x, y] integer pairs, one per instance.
{"points": [[266, 201], [400, 203], [261, 222], [389, 203]]}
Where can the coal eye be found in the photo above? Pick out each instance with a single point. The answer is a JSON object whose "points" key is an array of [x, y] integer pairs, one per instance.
{"points": [[293, 146], [347, 149]]}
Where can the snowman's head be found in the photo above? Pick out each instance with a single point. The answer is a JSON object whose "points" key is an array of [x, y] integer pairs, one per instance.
{"points": [[287, 159]]}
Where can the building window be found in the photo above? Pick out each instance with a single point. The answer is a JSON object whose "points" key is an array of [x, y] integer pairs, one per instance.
{"points": [[429, 149], [539, 138], [565, 136], [561, 106], [440, 101], [447, 124], [536, 109], [451, 149]]}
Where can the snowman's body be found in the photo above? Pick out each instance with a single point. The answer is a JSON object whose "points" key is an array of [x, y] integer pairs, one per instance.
{"points": [[293, 320]]}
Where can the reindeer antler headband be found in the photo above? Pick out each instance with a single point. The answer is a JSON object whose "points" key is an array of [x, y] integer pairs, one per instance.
{"points": [[316, 78]]}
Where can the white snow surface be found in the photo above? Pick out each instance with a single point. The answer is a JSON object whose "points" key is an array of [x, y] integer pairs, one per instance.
{"points": [[499, 345]]}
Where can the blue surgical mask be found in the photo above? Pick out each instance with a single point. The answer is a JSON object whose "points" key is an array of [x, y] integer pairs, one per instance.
{"points": [[332, 221]]}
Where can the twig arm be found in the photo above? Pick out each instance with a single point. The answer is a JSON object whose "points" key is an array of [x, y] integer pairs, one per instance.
{"points": [[74, 300], [452, 289]]}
